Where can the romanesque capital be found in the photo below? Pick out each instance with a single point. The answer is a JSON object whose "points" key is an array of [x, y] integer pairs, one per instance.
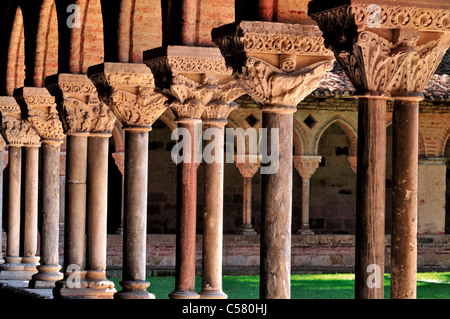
{"points": [[196, 81], [129, 91], [38, 108], [15, 131], [79, 106], [277, 64], [385, 49], [249, 166], [306, 165]]}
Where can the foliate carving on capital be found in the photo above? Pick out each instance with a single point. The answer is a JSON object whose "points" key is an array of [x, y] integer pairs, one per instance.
{"points": [[388, 16], [375, 64], [19, 133], [269, 85], [306, 166], [141, 109]]}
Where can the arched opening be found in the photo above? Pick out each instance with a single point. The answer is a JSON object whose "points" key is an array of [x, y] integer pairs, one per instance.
{"points": [[333, 186]]}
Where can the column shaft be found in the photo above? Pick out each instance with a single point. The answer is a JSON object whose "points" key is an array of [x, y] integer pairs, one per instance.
{"points": [[247, 203], [186, 222], [31, 205], [97, 203], [49, 268], [75, 214], [370, 199], [276, 212], [135, 217], [15, 171], [305, 202], [404, 199], [213, 221]]}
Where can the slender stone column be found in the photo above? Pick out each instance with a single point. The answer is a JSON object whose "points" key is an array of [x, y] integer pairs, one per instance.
{"points": [[306, 166], [199, 89], [18, 133], [247, 169], [370, 196], [13, 259], [39, 110], [186, 215], [396, 65], [31, 208], [277, 78], [128, 90], [404, 199], [88, 124], [214, 125]]}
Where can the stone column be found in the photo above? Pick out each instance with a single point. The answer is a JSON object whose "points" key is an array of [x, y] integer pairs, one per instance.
{"points": [[420, 62], [198, 82], [277, 77], [39, 110], [31, 208], [306, 166], [88, 124], [379, 51], [17, 134], [247, 169], [128, 90]]}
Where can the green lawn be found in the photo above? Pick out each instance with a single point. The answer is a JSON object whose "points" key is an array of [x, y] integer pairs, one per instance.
{"points": [[317, 286]]}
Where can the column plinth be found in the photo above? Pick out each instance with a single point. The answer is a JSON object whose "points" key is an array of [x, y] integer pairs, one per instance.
{"points": [[277, 77], [128, 91]]}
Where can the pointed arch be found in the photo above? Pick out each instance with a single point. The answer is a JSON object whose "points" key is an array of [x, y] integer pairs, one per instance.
{"points": [[347, 125], [46, 55], [87, 47], [15, 70], [301, 142]]}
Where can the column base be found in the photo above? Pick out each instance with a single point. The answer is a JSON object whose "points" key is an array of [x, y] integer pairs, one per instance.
{"points": [[30, 263], [46, 277], [178, 294], [305, 231], [247, 230], [86, 286], [14, 269], [12, 264], [134, 289], [212, 294]]}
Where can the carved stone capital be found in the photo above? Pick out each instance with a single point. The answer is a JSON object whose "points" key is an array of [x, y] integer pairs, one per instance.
{"points": [[306, 166], [38, 108], [416, 14], [249, 165], [196, 80], [129, 91], [15, 131], [385, 49], [277, 64], [78, 104]]}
